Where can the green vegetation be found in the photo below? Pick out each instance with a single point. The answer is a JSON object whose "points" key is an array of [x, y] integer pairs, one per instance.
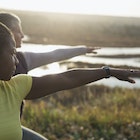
{"points": [[86, 113]]}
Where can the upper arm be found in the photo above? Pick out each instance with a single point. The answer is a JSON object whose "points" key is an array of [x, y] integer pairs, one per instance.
{"points": [[41, 87], [48, 84]]}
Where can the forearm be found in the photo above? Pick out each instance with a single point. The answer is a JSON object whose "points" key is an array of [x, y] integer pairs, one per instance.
{"points": [[62, 54], [64, 81], [35, 60], [78, 77]]}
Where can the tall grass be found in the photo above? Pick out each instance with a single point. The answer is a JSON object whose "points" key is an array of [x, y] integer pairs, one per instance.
{"points": [[86, 113]]}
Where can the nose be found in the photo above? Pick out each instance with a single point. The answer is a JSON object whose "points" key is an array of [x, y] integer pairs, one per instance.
{"points": [[22, 35]]}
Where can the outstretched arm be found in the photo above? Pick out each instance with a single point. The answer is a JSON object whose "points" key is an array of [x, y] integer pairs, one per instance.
{"points": [[49, 84], [35, 60]]}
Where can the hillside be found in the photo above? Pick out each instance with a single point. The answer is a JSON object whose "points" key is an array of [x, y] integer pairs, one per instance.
{"points": [[72, 29]]}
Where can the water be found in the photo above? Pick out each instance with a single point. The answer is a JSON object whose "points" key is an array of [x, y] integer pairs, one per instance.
{"points": [[135, 62], [106, 56]]}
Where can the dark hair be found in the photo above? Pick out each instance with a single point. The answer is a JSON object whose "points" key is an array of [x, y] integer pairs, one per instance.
{"points": [[9, 19], [5, 36]]}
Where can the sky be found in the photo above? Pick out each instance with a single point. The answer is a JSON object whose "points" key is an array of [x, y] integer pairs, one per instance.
{"points": [[129, 8]]}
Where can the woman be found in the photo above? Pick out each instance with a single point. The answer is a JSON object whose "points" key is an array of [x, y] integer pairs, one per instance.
{"points": [[14, 89], [29, 60]]}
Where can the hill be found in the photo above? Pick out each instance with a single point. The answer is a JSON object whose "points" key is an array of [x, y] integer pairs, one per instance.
{"points": [[74, 29]]}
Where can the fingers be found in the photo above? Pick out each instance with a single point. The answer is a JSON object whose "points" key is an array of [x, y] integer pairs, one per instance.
{"points": [[126, 75], [131, 73], [92, 49], [131, 81]]}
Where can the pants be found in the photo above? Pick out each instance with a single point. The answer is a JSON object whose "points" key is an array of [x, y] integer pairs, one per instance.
{"points": [[29, 134]]}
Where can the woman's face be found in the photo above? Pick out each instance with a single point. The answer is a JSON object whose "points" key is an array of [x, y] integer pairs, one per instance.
{"points": [[8, 61], [18, 34]]}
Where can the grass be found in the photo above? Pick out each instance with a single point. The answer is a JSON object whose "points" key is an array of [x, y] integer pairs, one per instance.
{"points": [[86, 113]]}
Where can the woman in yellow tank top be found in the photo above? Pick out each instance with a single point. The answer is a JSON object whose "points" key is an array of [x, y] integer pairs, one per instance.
{"points": [[14, 89]]}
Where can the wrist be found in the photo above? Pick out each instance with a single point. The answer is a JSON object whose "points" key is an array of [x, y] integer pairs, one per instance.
{"points": [[82, 49], [107, 70]]}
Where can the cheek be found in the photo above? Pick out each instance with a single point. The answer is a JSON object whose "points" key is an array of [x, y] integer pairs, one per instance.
{"points": [[10, 61], [17, 37]]}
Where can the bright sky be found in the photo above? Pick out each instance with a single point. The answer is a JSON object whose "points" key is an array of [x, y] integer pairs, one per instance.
{"points": [[101, 7]]}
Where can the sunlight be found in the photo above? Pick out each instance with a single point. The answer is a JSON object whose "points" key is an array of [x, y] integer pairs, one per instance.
{"points": [[48, 69], [104, 7]]}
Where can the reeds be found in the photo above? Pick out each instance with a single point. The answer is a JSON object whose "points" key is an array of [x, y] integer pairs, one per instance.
{"points": [[86, 113]]}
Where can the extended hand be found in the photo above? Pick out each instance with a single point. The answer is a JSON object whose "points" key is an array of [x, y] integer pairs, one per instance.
{"points": [[92, 49], [125, 74]]}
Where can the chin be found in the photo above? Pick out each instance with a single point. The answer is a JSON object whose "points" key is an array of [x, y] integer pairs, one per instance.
{"points": [[6, 78]]}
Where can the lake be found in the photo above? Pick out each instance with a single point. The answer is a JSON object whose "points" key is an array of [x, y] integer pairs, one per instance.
{"points": [[106, 55]]}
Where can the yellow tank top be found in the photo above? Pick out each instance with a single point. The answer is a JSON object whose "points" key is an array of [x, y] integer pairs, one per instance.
{"points": [[12, 93]]}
